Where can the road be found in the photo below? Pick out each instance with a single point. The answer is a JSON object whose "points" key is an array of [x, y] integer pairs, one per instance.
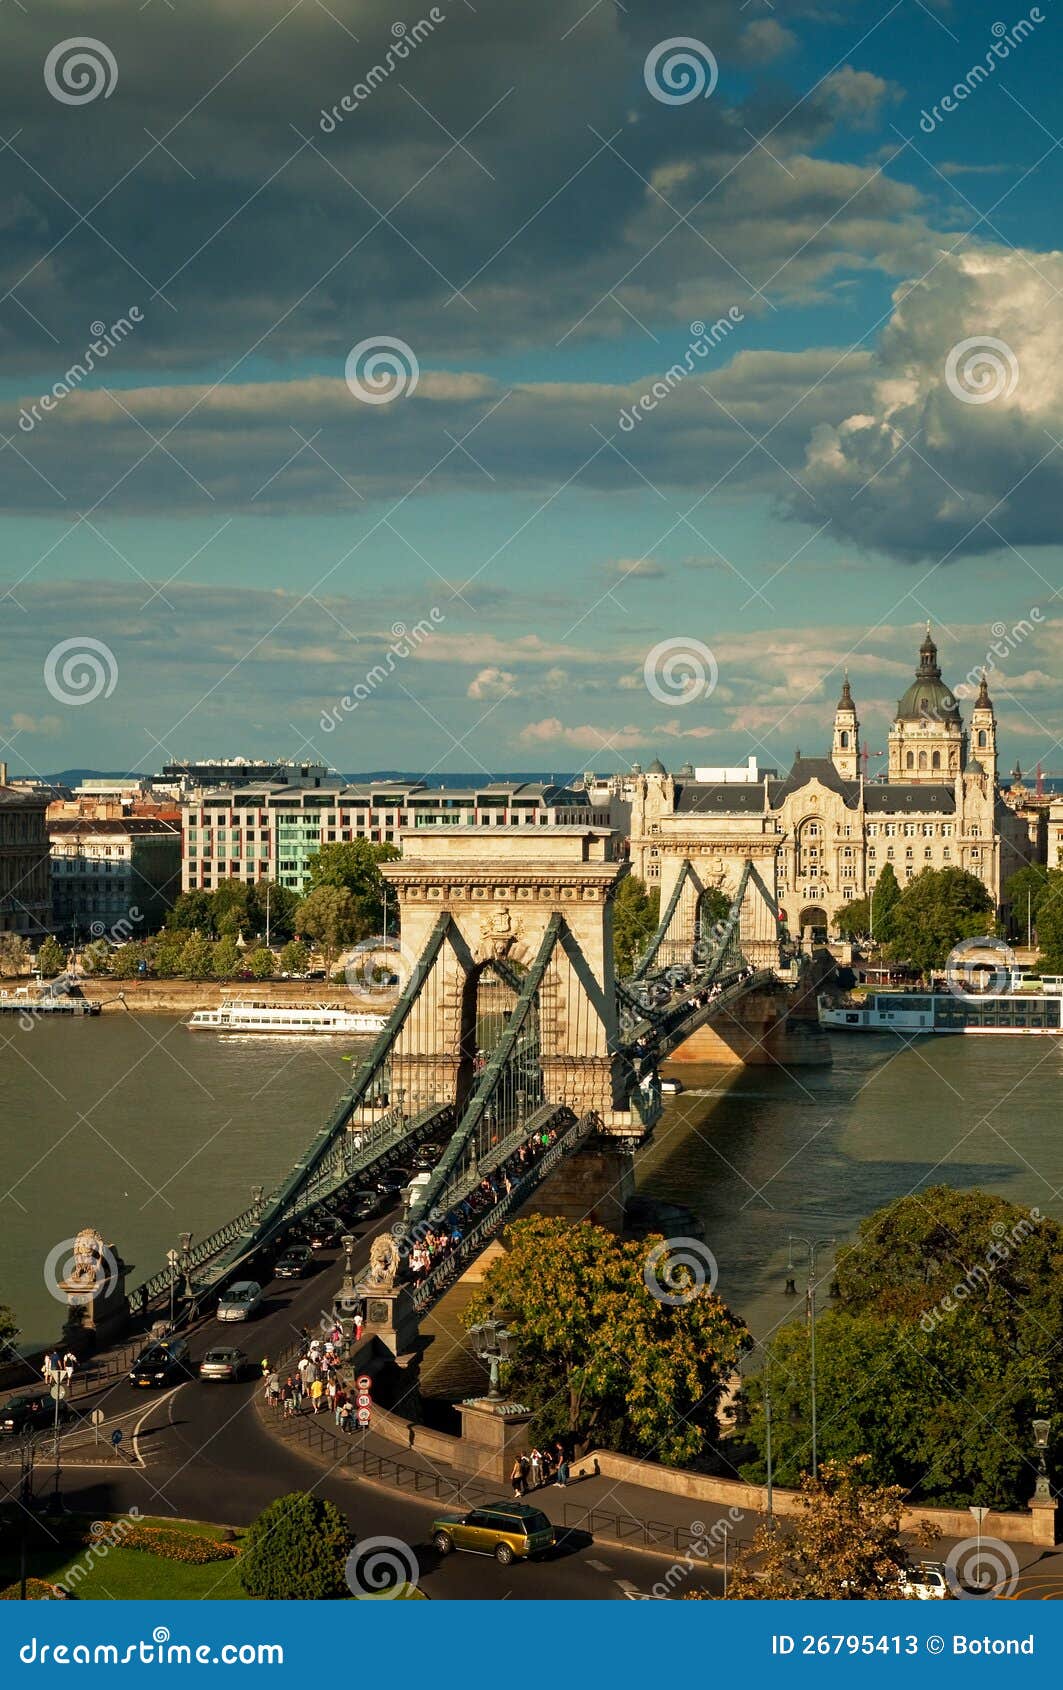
{"points": [[200, 1451]]}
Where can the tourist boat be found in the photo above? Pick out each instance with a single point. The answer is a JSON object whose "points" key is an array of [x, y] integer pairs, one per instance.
{"points": [[25, 1000], [906, 1013], [248, 1017]]}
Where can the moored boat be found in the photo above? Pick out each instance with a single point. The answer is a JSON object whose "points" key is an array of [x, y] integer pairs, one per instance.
{"points": [[907, 1013], [244, 1016]]}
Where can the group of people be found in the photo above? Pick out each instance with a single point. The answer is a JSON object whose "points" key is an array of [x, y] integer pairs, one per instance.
{"points": [[58, 1370], [541, 1467], [315, 1380], [429, 1249]]}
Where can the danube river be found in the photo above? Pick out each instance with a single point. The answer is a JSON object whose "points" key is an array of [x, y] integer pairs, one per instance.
{"points": [[137, 1127]]}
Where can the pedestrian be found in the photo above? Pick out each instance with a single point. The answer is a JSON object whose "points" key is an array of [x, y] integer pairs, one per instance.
{"points": [[70, 1361], [273, 1389], [343, 1416], [516, 1478], [562, 1468], [317, 1391], [291, 1397], [536, 1469], [358, 1319], [525, 1470]]}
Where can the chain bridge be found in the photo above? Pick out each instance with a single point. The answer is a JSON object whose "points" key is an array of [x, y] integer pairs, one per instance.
{"points": [[513, 1045]]}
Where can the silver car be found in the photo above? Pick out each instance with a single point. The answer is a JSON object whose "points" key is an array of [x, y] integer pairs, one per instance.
{"points": [[240, 1301]]}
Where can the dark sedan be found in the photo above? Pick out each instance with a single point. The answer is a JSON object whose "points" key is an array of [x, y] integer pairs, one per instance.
{"points": [[294, 1263]]}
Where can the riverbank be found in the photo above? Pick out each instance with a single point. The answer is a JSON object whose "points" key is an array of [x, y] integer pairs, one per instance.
{"points": [[182, 997]]}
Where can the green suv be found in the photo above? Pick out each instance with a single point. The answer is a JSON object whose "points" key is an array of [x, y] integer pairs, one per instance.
{"points": [[506, 1530]]}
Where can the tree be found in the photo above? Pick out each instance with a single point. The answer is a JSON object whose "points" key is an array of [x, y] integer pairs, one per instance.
{"points": [[635, 918], [946, 1299], [51, 958], [353, 866], [261, 963], [885, 896], [226, 958], [230, 908], [845, 1542], [197, 958], [1023, 893], [167, 953], [329, 916], [935, 911], [283, 904], [126, 960], [8, 1326], [14, 954], [598, 1356], [297, 1549], [853, 921], [192, 911], [96, 958], [294, 958], [1049, 919]]}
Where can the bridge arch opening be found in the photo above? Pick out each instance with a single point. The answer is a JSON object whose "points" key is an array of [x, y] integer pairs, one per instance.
{"points": [[489, 997]]}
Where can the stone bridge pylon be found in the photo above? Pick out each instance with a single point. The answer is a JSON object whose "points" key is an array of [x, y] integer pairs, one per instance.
{"points": [[474, 902]]}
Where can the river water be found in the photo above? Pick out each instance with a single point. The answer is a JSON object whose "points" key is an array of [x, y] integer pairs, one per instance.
{"points": [[137, 1127]]}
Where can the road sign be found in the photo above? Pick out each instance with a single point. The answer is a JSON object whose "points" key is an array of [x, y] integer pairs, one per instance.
{"points": [[364, 1416], [58, 1393], [116, 1436], [979, 1513], [363, 1400], [97, 1417], [364, 1382]]}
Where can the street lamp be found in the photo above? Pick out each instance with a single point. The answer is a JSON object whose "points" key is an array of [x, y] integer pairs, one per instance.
{"points": [[185, 1241], [1042, 1489], [346, 1301], [491, 1342], [811, 1247], [172, 1260]]}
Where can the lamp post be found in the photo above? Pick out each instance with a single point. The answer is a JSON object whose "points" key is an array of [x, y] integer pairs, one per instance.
{"points": [[811, 1247], [345, 1302], [172, 1260], [185, 1242], [491, 1342], [1042, 1489]]}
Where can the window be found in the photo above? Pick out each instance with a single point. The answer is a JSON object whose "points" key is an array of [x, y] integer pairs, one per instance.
{"points": [[844, 741], [909, 761], [928, 830], [922, 759], [983, 739], [937, 760]]}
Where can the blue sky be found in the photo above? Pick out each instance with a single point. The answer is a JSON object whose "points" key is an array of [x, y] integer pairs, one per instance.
{"points": [[237, 536]]}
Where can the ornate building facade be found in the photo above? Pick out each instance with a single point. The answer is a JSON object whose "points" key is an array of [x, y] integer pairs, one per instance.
{"points": [[822, 835]]}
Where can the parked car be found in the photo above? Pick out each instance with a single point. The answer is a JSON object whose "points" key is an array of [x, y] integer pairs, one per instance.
{"points": [[32, 1412], [294, 1263], [507, 1530], [161, 1362], [231, 1365], [925, 1582], [240, 1301]]}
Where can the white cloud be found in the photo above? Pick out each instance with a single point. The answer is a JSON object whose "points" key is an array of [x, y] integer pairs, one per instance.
{"points": [[492, 683]]}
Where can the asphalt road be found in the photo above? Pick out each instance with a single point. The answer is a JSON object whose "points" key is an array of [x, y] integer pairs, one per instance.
{"points": [[199, 1451]]}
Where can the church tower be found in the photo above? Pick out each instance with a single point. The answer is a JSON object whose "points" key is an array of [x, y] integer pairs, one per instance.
{"points": [[926, 742], [845, 749], [984, 732]]}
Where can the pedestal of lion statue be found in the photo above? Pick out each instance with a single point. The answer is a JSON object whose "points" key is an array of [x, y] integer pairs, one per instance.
{"points": [[93, 1283], [389, 1311]]}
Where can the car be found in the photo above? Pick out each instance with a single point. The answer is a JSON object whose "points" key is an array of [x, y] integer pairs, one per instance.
{"points": [[34, 1411], [322, 1233], [392, 1180], [240, 1301], [427, 1157], [925, 1582], [294, 1263], [226, 1364], [161, 1362], [363, 1206], [510, 1531]]}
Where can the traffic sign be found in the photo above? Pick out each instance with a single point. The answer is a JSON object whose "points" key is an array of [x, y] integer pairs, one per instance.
{"points": [[363, 1400], [979, 1513], [97, 1417], [116, 1436], [364, 1416], [364, 1382], [58, 1392]]}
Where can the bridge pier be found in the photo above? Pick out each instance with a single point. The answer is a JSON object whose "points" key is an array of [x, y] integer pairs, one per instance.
{"points": [[775, 1026], [593, 1184]]}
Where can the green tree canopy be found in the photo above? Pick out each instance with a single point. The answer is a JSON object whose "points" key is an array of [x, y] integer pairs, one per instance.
{"points": [[230, 908], [192, 910], [226, 958], [297, 1550], [8, 1325], [261, 963], [353, 866], [635, 918], [1049, 921], [596, 1354], [283, 903], [51, 958], [294, 958], [329, 916], [934, 912], [197, 958]]}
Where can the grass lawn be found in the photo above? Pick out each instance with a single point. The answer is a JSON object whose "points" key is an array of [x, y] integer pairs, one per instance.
{"points": [[122, 1575]]}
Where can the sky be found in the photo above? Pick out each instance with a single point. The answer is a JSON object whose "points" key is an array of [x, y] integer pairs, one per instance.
{"points": [[510, 386]]}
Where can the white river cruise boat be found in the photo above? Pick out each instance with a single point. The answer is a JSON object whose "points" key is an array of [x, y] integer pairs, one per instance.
{"points": [[249, 1017], [946, 1012]]}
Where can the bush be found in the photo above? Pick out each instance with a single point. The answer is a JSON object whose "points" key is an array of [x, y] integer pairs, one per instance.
{"points": [[297, 1549], [37, 1590]]}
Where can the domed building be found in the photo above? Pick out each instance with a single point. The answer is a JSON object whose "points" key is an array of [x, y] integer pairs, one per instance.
{"points": [[823, 834]]}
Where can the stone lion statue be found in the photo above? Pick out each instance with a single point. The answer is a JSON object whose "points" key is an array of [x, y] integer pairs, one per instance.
{"points": [[88, 1256], [383, 1261]]}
